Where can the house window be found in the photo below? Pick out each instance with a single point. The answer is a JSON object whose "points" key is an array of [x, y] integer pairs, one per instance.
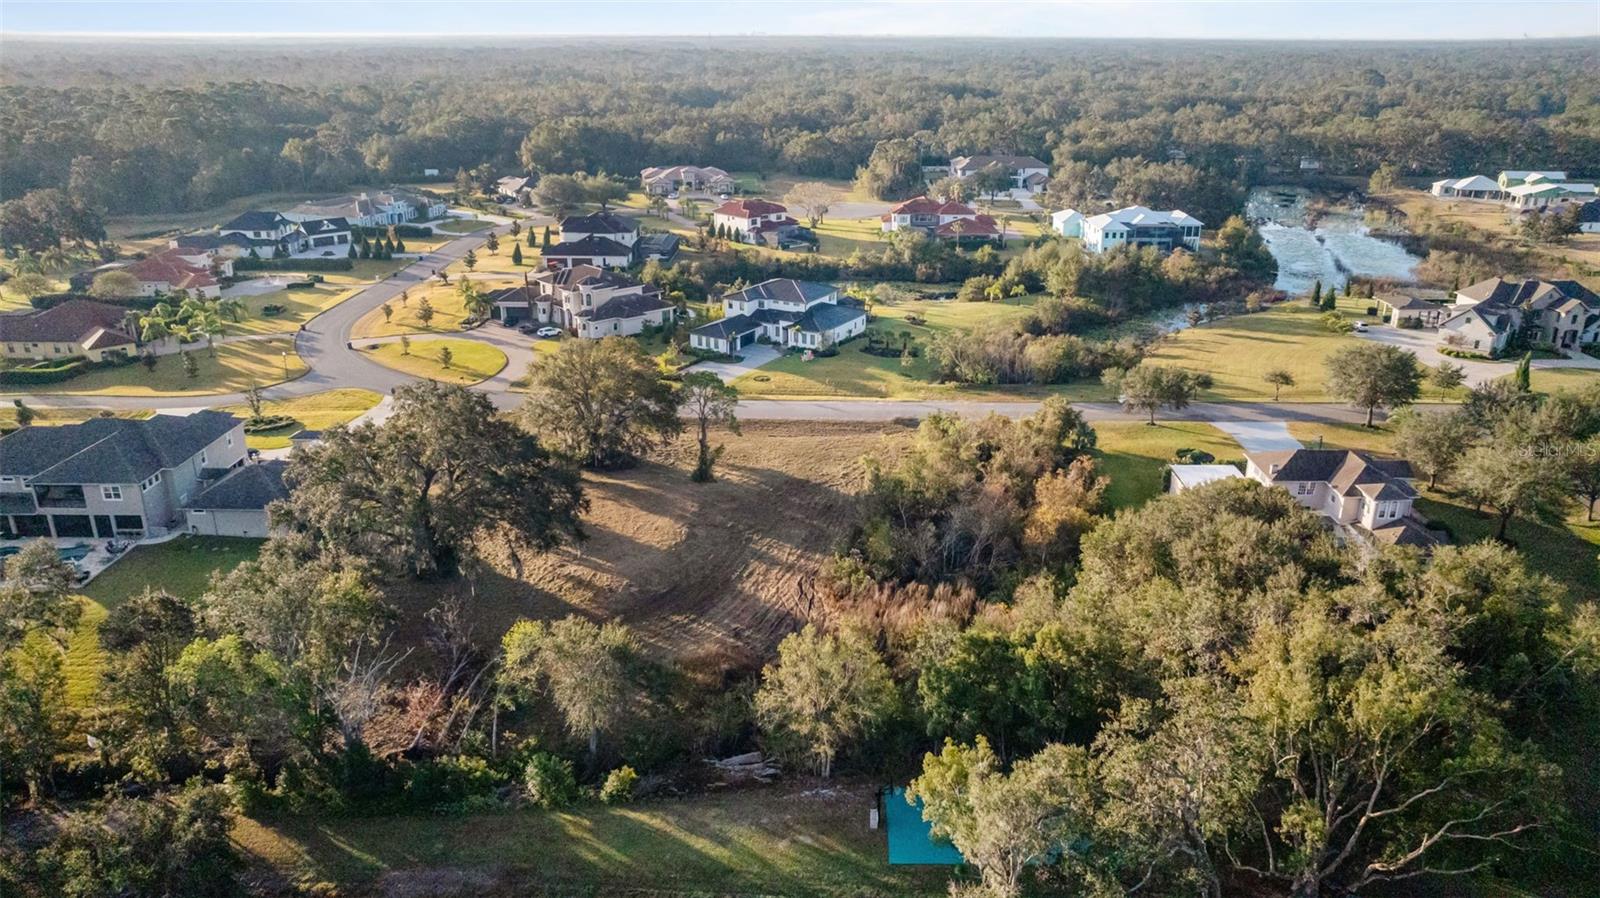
{"points": [[202, 456], [152, 481], [111, 493], [1303, 489]]}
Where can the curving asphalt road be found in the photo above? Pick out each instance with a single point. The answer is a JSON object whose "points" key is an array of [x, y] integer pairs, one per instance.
{"points": [[324, 344]]}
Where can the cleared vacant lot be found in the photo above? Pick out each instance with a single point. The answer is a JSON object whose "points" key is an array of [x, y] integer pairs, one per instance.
{"points": [[798, 839], [696, 567]]}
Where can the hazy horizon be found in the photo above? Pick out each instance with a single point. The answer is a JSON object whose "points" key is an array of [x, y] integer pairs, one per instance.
{"points": [[1219, 20]]}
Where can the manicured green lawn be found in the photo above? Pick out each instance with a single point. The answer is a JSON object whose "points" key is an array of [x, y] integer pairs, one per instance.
{"points": [[1237, 351], [1133, 456], [44, 417], [1549, 380], [471, 361], [317, 411], [842, 236], [448, 311], [236, 366], [461, 226], [1568, 551], [779, 841], [182, 567], [856, 373]]}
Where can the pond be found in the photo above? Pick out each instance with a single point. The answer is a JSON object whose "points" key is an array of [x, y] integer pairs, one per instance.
{"points": [[1338, 245]]}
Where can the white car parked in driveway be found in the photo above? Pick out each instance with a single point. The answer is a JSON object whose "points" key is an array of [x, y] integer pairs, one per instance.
{"points": [[547, 332]]}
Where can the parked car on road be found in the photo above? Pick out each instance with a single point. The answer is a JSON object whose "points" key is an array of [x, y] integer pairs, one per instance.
{"points": [[547, 332]]}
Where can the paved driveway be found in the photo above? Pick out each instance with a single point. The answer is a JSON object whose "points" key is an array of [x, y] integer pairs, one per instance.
{"points": [[1259, 436], [1425, 344], [755, 356]]}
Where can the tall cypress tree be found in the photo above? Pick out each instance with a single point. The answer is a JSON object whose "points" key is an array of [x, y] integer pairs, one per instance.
{"points": [[1316, 295], [1525, 373]]}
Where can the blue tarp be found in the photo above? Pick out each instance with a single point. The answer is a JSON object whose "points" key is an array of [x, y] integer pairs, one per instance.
{"points": [[910, 838]]}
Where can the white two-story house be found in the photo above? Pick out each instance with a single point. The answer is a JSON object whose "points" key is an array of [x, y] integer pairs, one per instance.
{"points": [[586, 301], [1487, 316], [270, 234], [113, 477], [1133, 225], [1027, 173], [602, 240], [942, 219], [1349, 488], [747, 220], [789, 313]]}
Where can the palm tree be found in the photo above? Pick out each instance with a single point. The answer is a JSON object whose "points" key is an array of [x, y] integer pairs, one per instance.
{"points": [[27, 263], [232, 308], [153, 327], [210, 321], [55, 258]]}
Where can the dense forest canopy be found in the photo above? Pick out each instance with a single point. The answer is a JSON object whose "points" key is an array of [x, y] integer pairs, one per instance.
{"points": [[143, 127]]}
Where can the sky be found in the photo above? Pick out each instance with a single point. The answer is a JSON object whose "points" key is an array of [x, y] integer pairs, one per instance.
{"points": [[1203, 19]]}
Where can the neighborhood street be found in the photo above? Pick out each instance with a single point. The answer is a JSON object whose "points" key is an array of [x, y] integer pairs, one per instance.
{"points": [[324, 344]]}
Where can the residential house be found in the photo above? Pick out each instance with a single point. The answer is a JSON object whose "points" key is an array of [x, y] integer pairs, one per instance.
{"points": [[584, 300], [270, 234], [604, 239], [327, 234], [942, 219], [1027, 173], [1181, 478], [514, 187], [619, 228], [372, 210], [95, 330], [1472, 187], [789, 313], [359, 210], [1486, 316], [175, 269], [658, 247], [1589, 217], [1366, 496], [218, 246], [685, 179], [1133, 225], [1411, 310], [1068, 223], [414, 205], [236, 503], [747, 220], [1537, 194], [1510, 179], [113, 476]]}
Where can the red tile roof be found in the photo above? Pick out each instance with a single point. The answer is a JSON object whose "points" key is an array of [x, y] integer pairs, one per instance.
{"points": [[922, 205], [749, 208], [73, 321], [171, 268], [978, 226]]}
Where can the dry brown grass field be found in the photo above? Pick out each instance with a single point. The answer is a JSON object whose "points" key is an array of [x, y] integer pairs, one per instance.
{"points": [[724, 567]]}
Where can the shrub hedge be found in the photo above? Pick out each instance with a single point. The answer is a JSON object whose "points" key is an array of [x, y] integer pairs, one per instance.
{"points": [[248, 264]]}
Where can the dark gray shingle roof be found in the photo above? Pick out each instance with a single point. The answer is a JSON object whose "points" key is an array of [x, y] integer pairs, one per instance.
{"points": [[247, 487], [723, 328], [256, 220], [784, 290], [590, 246], [827, 317], [628, 305], [110, 450]]}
